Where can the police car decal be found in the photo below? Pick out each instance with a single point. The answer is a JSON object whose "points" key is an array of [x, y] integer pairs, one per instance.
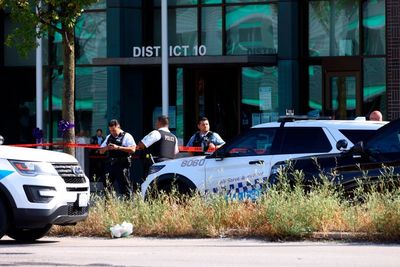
{"points": [[193, 162], [240, 187], [4, 173]]}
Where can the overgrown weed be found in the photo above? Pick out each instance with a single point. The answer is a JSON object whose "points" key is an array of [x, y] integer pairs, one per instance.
{"points": [[286, 210]]}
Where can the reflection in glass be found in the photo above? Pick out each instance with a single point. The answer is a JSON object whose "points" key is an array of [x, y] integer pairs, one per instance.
{"points": [[182, 28], [90, 34], [259, 101], [374, 21], [90, 99], [251, 29], [211, 26], [315, 90], [180, 131], [176, 2], [343, 96], [212, 1], [245, 1], [11, 56], [334, 28], [101, 4], [374, 90]]}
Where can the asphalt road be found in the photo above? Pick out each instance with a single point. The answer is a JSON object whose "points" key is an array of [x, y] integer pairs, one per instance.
{"points": [[74, 251]]}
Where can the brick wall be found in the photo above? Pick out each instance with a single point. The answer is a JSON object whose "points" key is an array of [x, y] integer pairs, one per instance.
{"points": [[393, 58]]}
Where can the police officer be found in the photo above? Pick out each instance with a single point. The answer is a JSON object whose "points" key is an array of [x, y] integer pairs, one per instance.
{"points": [[204, 138], [159, 144], [119, 146], [96, 162]]}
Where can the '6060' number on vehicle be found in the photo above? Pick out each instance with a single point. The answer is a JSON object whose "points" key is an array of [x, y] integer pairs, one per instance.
{"points": [[193, 162]]}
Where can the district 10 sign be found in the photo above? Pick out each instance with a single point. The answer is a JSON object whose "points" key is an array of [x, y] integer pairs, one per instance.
{"points": [[174, 51]]}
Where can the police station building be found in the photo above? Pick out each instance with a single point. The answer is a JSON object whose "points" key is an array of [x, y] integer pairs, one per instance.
{"points": [[238, 62]]}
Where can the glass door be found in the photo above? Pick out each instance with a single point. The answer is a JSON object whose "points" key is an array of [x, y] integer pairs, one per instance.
{"points": [[342, 95]]}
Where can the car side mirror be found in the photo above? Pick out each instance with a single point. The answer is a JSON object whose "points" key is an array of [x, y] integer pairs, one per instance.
{"points": [[1, 140], [341, 144], [359, 147]]}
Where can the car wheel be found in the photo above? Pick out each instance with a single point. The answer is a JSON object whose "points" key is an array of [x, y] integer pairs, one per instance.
{"points": [[28, 235], [168, 187], [3, 219]]}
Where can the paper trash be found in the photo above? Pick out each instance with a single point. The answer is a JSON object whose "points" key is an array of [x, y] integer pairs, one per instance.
{"points": [[123, 230]]}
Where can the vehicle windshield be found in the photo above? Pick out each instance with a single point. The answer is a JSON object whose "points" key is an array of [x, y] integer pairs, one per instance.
{"points": [[256, 141], [386, 139]]}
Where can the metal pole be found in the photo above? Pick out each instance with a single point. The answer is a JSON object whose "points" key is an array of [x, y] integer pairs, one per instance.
{"points": [[39, 83], [164, 56]]}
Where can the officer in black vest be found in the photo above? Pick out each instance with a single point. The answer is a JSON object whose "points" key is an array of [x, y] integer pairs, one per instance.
{"points": [[160, 144], [118, 146], [204, 138]]}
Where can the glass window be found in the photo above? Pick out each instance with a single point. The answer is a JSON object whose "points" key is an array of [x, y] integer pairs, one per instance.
{"points": [[254, 142], [176, 2], [374, 90], [182, 28], [334, 28], [91, 39], [387, 142], [356, 136], [251, 29], [341, 99], [259, 100], [180, 112], [211, 29], [57, 47], [101, 4], [374, 21], [56, 100], [90, 100], [315, 90], [11, 56], [245, 1], [212, 1], [305, 140]]}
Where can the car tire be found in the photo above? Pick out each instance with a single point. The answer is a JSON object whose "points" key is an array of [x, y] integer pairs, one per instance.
{"points": [[168, 186], [3, 219], [28, 235]]}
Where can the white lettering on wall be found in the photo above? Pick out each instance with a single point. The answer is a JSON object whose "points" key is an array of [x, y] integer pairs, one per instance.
{"points": [[174, 51]]}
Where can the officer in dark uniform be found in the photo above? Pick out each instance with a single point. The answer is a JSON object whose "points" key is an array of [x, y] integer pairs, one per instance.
{"points": [[160, 144], [96, 162], [204, 138], [118, 146]]}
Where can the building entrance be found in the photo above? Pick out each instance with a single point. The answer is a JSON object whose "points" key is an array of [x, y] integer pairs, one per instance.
{"points": [[215, 95]]}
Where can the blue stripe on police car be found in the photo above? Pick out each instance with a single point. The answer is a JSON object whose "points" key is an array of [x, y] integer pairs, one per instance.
{"points": [[4, 173]]}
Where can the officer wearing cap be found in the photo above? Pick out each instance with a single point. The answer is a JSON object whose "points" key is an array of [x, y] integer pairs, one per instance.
{"points": [[160, 144], [118, 146]]}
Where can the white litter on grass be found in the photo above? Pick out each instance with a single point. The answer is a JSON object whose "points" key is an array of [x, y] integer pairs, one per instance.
{"points": [[121, 230]]}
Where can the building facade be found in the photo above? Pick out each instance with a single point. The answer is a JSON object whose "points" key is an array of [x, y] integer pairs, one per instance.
{"points": [[238, 62]]}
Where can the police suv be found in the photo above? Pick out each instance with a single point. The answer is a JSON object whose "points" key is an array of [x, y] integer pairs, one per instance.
{"points": [[241, 167], [39, 188]]}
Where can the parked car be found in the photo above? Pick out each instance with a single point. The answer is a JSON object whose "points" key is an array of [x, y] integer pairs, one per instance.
{"points": [[365, 163], [39, 188], [242, 165]]}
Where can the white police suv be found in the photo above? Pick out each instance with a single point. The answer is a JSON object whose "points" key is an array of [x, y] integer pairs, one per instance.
{"points": [[39, 188], [241, 166]]}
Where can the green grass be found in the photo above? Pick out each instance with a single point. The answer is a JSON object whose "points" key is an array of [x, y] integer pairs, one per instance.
{"points": [[283, 212]]}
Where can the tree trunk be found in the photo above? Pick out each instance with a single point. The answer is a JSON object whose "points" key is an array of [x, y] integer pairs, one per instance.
{"points": [[68, 103]]}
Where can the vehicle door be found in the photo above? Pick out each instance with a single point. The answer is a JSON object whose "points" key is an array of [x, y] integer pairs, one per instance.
{"points": [[378, 158], [295, 142], [239, 168]]}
